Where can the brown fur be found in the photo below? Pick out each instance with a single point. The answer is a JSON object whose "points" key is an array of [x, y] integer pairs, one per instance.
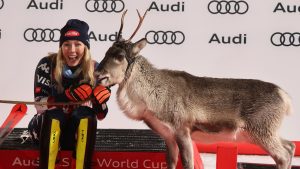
{"points": [[181, 107]]}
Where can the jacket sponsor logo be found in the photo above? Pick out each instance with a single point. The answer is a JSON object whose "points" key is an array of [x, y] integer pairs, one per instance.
{"points": [[44, 67], [43, 80]]}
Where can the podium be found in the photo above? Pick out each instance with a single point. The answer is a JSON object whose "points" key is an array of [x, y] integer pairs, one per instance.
{"points": [[114, 149]]}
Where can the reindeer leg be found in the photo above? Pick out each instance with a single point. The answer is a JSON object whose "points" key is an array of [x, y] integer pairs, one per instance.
{"points": [[184, 142], [290, 147], [172, 153], [272, 144], [168, 135], [277, 152], [263, 131]]}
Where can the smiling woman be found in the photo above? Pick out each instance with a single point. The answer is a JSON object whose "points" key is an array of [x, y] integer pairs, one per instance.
{"points": [[73, 51], [68, 76]]}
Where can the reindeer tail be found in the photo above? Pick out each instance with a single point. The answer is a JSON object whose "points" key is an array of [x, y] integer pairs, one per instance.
{"points": [[287, 101]]}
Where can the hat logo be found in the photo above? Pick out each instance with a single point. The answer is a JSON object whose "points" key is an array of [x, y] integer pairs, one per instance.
{"points": [[72, 33]]}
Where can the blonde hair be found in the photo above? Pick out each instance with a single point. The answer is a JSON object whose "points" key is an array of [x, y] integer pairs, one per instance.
{"points": [[87, 65]]}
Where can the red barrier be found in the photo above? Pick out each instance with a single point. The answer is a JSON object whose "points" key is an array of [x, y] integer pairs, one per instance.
{"points": [[226, 156], [197, 160], [226, 153], [243, 148]]}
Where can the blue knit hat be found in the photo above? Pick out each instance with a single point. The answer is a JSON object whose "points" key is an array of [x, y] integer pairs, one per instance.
{"points": [[75, 30]]}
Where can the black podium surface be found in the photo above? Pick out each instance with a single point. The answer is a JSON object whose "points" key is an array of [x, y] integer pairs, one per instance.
{"points": [[106, 140]]}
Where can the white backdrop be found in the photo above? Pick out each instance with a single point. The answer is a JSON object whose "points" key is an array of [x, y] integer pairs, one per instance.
{"points": [[202, 52]]}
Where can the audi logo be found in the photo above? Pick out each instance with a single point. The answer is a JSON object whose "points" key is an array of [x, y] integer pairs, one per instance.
{"points": [[1, 4], [228, 7], [104, 5], [285, 39], [165, 37], [42, 35]]}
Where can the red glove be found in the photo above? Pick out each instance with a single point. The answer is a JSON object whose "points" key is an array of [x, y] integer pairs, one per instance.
{"points": [[79, 93], [101, 94]]}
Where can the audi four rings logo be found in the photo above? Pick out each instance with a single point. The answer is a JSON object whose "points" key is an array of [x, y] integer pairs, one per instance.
{"points": [[285, 39], [228, 7], [165, 37], [1, 4], [42, 35], [104, 5]]}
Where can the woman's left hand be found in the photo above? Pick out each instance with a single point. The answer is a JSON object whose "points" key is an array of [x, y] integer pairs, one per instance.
{"points": [[101, 93]]}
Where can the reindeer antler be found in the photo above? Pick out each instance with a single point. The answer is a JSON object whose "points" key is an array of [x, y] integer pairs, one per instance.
{"points": [[137, 28], [139, 25], [121, 27]]}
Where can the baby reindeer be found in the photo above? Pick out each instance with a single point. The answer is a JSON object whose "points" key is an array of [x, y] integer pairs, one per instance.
{"points": [[180, 106]]}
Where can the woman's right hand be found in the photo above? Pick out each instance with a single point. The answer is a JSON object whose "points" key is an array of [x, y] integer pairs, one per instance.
{"points": [[75, 93], [79, 92]]}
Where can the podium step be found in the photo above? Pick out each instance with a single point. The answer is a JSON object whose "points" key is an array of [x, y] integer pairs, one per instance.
{"points": [[114, 149], [106, 140]]}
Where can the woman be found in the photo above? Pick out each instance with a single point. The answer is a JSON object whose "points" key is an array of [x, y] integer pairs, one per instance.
{"points": [[68, 77]]}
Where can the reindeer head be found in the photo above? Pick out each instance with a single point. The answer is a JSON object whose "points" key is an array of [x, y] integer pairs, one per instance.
{"points": [[119, 56]]}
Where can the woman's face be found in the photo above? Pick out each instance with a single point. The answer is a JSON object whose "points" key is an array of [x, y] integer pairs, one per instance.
{"points": [[73, 51]]}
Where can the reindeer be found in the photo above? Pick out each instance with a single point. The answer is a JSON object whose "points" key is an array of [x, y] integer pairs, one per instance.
{"points": [[180, 107]]}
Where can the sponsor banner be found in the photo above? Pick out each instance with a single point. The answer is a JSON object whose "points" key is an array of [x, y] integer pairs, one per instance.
{"points": [[250, 39], [28, 159], [228, 7], [18, 159], [128, 160]]}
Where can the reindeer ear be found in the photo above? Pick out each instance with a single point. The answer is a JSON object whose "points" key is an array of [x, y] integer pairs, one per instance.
{"points": [[138, 46]]}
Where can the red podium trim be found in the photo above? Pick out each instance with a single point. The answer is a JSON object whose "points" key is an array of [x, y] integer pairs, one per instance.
{"points": [[243, 148]]}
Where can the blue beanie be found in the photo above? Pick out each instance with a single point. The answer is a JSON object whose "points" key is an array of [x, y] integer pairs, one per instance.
{"points": [[75, 30]]}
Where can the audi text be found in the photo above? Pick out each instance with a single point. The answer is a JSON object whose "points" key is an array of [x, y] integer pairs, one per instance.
{"points": [[176, 7], [103, 37], [286, 8], [239, 39], [56, 5]]}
